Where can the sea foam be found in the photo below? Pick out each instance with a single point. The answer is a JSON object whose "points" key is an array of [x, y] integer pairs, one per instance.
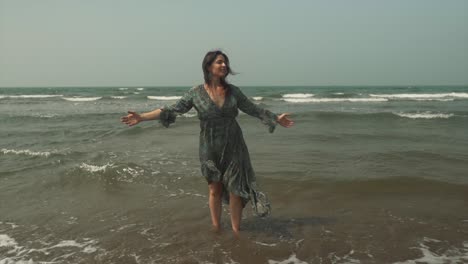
{"points": [[164, 97], [26, 152], [291, 260], [20, 254], [450, 255], [31, 96], [298, 95], [95, 168], [421, 96], [81, 99], [425, 115], [6, 241], [331, 100]]}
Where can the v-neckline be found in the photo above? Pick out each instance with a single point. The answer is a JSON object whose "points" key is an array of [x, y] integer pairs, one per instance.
{"points": [[211, 100]]}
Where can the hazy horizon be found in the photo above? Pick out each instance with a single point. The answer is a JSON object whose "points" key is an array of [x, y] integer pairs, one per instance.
{"points": [[244, 85], [270, 43]]}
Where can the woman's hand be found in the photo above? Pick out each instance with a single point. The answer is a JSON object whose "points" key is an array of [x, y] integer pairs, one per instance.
{"points": [[131, 119], [284, 120]]}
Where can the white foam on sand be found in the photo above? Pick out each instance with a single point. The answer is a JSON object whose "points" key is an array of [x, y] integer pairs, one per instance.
{"points": [[265, 244], [291, 260], [6, 241], [334, 100], [87, 246], [164, 97], [347, 258], [19, 254], [81, 99], [424, 115], [451, 255]]}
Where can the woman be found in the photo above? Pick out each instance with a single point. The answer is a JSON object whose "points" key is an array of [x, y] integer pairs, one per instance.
{"points": [[224, 157]]}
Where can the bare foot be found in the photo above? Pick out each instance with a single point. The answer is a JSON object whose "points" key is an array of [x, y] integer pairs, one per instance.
{"points": [[236, 233]]}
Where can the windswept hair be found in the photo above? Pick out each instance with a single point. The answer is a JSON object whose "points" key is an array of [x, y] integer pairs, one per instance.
{"points": [[210, 57]]}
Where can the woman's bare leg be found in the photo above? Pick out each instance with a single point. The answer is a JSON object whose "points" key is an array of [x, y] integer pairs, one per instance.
{"points": [[235, 205], [216, 189]]}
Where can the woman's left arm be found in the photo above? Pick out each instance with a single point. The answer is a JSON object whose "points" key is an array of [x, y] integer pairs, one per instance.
{"points": [[266, 116]]}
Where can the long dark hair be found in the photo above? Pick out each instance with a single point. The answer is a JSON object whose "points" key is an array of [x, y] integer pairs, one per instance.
{"points": [[210, 57]]}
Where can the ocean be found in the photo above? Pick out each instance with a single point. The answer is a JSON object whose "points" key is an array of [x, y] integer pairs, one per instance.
{"points": [[367, 174]]}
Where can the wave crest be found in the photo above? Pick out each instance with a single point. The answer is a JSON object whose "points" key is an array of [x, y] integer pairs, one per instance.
{"points": [[331, 100], [27, 152], [424, 115], [164, 97], [81, 99]]}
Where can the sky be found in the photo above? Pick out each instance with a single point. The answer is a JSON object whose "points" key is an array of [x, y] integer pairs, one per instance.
{"points": [[298, 42]]}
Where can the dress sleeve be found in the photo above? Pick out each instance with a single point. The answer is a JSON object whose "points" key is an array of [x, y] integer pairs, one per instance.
{"points": [[267, 117], [169, 112]]}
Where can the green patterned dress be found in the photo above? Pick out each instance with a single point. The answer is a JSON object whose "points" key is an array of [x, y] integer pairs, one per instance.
{"points": [[224, 156]]}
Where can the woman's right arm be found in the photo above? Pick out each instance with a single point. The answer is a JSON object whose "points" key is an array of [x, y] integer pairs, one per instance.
{"points": [[133, 118], [166, 114], [153, 115]]}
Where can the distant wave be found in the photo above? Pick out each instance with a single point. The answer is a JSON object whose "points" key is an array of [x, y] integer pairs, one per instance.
{"points": [[298, 95], [45, 115], [164, 97], [118, 97], [31, 96], [257, 98], [421, 96], [327, 100], [433, 99], [189, 115], [81, 99], [383, 115], [27, 152], [123, 88], [140, 89], [425, 115]]}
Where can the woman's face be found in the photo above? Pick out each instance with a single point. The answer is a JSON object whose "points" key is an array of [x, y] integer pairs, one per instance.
{"points": [[218, 68]]}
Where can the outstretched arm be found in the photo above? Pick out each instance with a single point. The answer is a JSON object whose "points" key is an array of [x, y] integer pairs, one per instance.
{"points": [[153, 115], [268, 118], [166, 114], [247, 106], [133, 118]]}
